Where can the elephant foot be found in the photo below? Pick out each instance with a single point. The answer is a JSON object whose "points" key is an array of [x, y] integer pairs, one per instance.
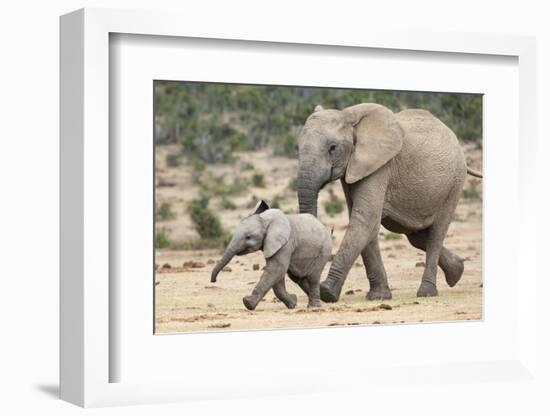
{"points": [[379, 294], [426, 289], [291, 302], [454, 272], [250, 303], [314, 304], [329, 293]]}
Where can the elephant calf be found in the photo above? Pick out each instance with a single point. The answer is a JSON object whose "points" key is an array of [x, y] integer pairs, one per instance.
{"points": [[298, 245]]}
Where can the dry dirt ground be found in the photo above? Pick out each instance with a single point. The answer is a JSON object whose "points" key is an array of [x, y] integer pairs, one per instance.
{"points": [[185, 300]]}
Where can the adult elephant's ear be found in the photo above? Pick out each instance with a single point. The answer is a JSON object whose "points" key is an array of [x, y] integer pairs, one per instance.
{"points": [[378, 137], [277, 231]]}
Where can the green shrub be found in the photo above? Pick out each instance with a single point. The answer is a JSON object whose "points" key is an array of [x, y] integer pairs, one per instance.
{"points": [[334, 205], [472, 192], [161, 238], [293, 185], [227, 204], [392, 236], [204, 220], [173, 160], [276, 203], [258, 180], [247, 166], [213, 185], [164, 212]]}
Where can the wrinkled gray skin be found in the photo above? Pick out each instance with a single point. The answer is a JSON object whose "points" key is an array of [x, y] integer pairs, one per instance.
{"points": [[405, 171], [295, 244]]}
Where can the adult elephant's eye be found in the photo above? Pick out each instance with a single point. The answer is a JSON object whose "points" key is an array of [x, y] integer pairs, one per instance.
{"points": [[332, 148]]}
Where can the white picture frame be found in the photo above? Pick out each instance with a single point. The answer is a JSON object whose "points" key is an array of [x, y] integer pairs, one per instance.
{"points": [[87, 356]]}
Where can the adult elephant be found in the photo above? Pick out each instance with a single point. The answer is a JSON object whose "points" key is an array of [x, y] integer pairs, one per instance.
{"points": [[403, 170]]}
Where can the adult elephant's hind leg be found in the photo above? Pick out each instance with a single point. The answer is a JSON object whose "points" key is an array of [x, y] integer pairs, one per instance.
{"points": [[434, 244], [451, 264], [378, 280]]}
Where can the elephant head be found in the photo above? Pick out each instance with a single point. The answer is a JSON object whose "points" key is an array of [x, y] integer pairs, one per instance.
{"points": [[265, 229], [351, 143]]}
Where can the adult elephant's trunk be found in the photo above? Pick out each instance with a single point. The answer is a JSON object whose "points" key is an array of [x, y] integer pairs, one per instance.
{"points": [[230, 252], [308, 191]]}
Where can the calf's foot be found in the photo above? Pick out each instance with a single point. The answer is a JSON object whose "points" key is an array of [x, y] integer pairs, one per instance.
{"points": [[250, 303]]}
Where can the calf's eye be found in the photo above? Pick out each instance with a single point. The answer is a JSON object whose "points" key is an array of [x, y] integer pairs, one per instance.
{"points": [[332, 148]]}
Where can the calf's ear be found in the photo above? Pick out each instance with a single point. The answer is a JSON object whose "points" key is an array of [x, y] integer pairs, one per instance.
{"points": [[260, 207], [277, 231]]}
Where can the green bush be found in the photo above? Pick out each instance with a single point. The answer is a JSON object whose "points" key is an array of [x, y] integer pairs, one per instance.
{"points": [[293, 185], [204, 220], [276, 203], [227, 204], [472, 192], [247, 166], [213, 185], [164, 212], [334, 205], [392, 236], [161, 238], [173, 160], [258, 180]]}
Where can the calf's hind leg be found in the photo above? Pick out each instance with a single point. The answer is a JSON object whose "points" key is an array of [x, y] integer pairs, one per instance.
{"points": [[288, 299]]}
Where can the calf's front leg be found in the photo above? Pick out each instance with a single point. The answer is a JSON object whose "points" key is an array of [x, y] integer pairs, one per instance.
{"points": [[274, 272]]}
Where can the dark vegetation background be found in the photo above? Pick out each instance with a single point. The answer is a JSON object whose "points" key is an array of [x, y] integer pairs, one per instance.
{"points": [[211, 121], [208, 123]]}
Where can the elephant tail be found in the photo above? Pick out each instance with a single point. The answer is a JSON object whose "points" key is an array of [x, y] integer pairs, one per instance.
{"points": [[474, 172]]}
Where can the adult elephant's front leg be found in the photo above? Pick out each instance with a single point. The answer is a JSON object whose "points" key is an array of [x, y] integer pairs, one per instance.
{"points": [[376, 273], [354, 242], [367, 199]]}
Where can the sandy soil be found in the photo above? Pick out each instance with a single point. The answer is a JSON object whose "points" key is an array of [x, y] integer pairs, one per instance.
{"points": [[185, 300]]}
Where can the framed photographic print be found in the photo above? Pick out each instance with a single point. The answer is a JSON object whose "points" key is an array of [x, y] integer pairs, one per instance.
{"points": [[239, 220]]}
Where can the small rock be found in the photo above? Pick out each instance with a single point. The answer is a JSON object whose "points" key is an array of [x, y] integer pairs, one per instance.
{"points": [[251, 283], [157, 283], [350, 292], [275, 300], [166, 266], [334, 324], [210, 261], [210, 305], [256, 267], [481, 285], [399, 246], [416, 303], [227, 269], [376, 323], [220, 325], [194, 264], [353, 323], [385, 306], [391, 256], [420, 264]]}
